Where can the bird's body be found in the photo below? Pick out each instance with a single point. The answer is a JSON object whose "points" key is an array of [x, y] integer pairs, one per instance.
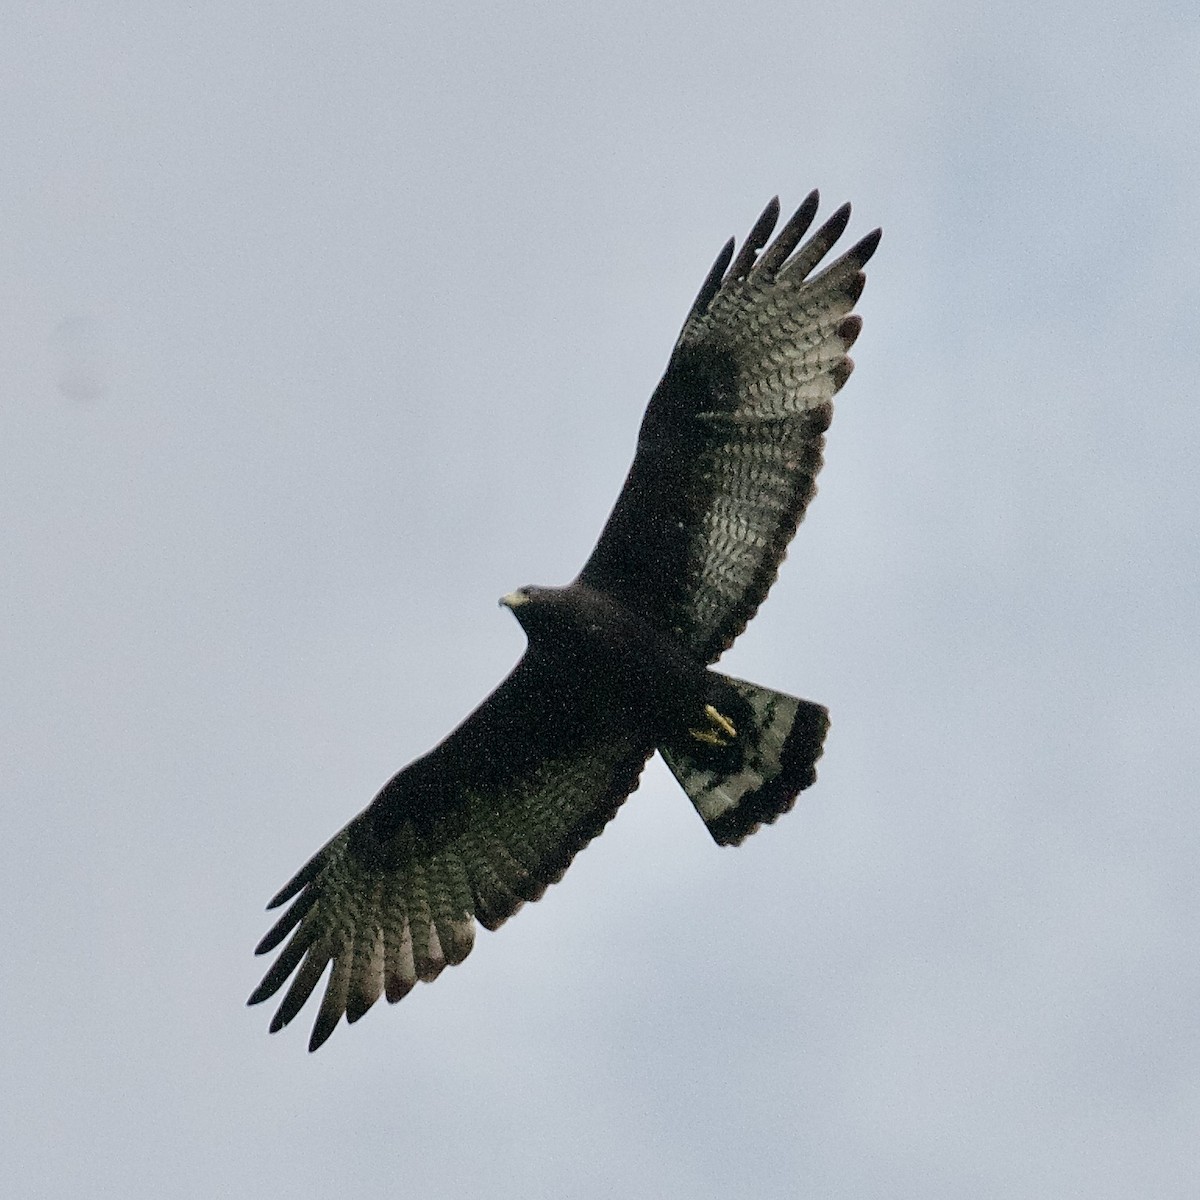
{"points": [[619, 662], [605, 663]]}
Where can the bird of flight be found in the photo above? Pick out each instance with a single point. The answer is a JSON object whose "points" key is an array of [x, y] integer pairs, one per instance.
{"points": [[618, 662]]}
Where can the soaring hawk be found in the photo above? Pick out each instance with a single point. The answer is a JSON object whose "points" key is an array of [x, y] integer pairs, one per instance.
{"points": [[618, 662]]}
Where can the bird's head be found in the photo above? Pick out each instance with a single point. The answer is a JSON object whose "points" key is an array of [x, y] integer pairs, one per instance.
{"points": [[524, 605], [534, 607], [517, 599]]}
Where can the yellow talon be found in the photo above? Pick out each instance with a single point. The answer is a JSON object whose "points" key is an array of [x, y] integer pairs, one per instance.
{"points": [[720, 730]]}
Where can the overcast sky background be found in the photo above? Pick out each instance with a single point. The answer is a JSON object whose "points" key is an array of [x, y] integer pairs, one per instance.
{"points": [[324, 326]]}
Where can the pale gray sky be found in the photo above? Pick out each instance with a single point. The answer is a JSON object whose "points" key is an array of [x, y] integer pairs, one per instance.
{"points": [[326, 325]]}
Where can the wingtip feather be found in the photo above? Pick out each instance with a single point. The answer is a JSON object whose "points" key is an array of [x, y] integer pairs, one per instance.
{"points": [[789, 236], [810, 254], [862, 250], [289, 959], [323, 1028], [306, 980], [712, 282], [849, 329], [287, 922], [396, 987], [306, 874], [320, 1035], [756, 239]]}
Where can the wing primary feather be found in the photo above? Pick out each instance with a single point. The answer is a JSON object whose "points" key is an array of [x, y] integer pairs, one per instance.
{"points": [[756, 239], [323, 1028], [841, 372], [712, 283], [288, 921], [849, 329], [817, 246], [845, 276], [307, 978], [282, 967], [333, 1003], [789, 237], [862, 250], [306, 874]]}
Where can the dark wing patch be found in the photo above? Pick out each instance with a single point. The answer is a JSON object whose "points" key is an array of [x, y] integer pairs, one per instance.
{"points": [[482, 824], [732, 440]]}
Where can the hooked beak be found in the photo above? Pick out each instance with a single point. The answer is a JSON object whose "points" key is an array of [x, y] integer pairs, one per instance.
{"points": [[514, 600]]}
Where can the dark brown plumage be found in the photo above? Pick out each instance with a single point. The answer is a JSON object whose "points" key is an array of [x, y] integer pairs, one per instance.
{"points": [[617, 663]]}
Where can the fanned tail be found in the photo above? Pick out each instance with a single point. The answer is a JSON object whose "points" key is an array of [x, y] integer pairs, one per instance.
{"points": [[741, 781]]}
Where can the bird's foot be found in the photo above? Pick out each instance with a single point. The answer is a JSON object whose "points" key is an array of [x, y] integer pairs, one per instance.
{"points": [[719, 731]]}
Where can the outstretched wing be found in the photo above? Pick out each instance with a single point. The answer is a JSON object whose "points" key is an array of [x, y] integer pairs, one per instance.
{"points": [[484, 822], [732, 440]]}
